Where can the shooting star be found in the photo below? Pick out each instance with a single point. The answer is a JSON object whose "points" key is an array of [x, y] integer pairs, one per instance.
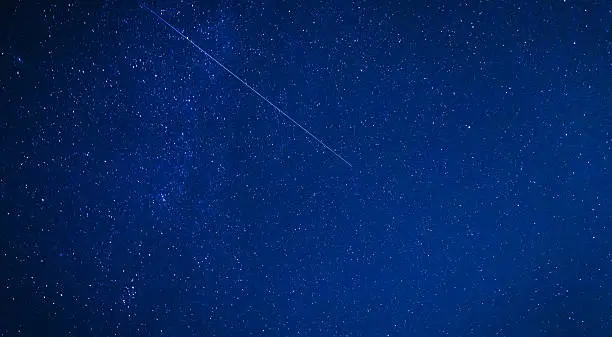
{"points": [[247, 85]]}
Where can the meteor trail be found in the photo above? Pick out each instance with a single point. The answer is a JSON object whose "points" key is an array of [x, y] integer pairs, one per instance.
{"points": [[247, 85]]}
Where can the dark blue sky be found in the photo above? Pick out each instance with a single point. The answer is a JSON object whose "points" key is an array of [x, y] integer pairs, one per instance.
{"points": [[144, 191]]}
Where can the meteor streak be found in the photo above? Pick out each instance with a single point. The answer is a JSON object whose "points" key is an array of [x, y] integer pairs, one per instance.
{"points": [[247, 85]]}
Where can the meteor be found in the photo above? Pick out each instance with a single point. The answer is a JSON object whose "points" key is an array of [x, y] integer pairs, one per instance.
{"points": [[247, 85]]}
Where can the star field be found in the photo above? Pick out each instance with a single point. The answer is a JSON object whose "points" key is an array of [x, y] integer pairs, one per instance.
{"points": [[144, 191]]}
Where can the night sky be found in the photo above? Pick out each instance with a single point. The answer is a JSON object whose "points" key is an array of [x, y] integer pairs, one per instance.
{"points": [[145, 191]]}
